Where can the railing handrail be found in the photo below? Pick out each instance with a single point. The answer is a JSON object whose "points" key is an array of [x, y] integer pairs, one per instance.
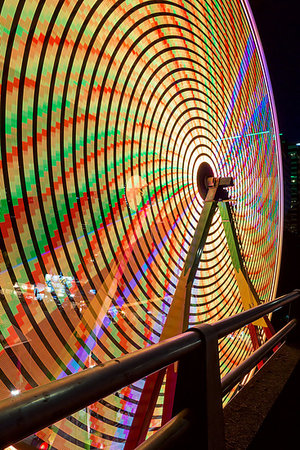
{"points": [[167, 436], [233, 323], [232, 378], [42, 406]]}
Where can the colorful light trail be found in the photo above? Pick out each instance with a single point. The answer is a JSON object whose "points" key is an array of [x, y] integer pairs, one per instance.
{"points": [[108, 108]]}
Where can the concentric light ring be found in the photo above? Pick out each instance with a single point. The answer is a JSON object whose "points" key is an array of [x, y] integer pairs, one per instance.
{"points": [[108, 109]]}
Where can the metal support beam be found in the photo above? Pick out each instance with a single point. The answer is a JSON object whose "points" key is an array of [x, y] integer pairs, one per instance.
{"points": [[248, 294], [176, 323], [178, 315]]}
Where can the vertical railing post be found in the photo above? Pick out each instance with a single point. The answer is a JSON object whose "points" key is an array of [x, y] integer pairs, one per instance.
{"points": [[199, 390]]}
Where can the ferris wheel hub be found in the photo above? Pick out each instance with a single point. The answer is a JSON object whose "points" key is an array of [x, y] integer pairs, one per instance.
{"points": [[211, 187], [204, 173]]}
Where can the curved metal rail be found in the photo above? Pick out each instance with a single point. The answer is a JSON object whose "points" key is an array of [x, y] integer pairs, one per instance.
{"points": [[197, 353]]}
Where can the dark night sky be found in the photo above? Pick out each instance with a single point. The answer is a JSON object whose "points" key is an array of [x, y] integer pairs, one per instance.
{"points": [[278, 23]]}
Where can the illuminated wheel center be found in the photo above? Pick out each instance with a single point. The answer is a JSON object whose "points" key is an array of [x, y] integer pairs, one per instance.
{"points": [[203, 174]]}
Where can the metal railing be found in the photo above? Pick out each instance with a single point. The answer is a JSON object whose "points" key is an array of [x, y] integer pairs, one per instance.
{"points": [[197, 408]]}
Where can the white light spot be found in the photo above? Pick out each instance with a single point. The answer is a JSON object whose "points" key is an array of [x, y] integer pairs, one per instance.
{"points": [[15, 392]]}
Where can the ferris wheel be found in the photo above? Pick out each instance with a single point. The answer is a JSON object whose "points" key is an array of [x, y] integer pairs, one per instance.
{"points": [[141, 193]]}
